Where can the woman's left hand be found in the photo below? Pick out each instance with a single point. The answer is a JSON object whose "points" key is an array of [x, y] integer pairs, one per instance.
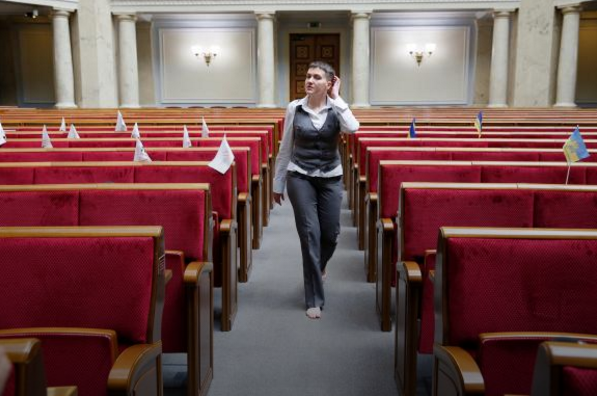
{"points": [[334, 91]]}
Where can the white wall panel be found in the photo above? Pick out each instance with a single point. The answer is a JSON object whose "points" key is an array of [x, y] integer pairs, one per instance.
{"points": [[442, 78], [230, 78]]}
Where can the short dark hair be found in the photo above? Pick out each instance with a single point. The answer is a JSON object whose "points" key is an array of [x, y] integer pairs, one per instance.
{"points": [[327, 69]]}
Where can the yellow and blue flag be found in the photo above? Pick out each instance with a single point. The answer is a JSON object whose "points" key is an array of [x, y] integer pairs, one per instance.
{"points": [[479, 123], [412, 131], [575, 148]]}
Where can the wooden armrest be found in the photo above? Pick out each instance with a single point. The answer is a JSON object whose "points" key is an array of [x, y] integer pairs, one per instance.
{"points": [[410, 271], [569, 338], [454, 367], [133, 364], [226, 226], [362, 179], [63, 391], [372, 197], [387, 224], [194, 270], [20, 350], [256, 178], [244, 197], [547, 377], [572, 354]]}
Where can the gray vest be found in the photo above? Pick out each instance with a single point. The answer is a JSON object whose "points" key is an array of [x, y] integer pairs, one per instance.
{"points": [[313, 148]]}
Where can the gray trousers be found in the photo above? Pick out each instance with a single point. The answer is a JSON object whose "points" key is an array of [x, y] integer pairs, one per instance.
{"points": [[316, 204]]}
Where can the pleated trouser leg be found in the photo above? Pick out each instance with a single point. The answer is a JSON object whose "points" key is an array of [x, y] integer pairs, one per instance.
{"points": [[316, 204]]}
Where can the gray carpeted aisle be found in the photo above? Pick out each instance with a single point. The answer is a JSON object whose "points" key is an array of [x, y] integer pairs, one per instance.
{"points": [[274, 349]]}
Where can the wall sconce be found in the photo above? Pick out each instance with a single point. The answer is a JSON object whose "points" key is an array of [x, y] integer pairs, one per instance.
{"points": [[418, 53], [207, 54]]}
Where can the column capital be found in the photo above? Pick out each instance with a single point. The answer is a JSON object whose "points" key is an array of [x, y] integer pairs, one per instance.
{"points": [[361, 14], [502, 13], [60, 13], [126, 17], [264, 15], [569, 8]]}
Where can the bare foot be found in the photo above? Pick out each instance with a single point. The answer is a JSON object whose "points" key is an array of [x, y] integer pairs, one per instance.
{"points": [[314, 313]]}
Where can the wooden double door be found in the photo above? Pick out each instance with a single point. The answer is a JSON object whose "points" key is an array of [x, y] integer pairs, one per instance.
{"points": [[306, 48]]}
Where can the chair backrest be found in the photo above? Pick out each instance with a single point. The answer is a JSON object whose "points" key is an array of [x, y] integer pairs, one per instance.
{"points": [[223, 186], [511, 280], [94, 277], [184, 210], [425, 207], [393, 173]]}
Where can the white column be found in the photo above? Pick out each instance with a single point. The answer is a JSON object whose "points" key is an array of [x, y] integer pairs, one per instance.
{"points": [[360, 59], [568, 61], [63, 61], [127, 62], [498, 78], [265, 59]]}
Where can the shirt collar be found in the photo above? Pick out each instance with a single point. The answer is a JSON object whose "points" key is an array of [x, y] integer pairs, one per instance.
{"points": [[304, 103]]}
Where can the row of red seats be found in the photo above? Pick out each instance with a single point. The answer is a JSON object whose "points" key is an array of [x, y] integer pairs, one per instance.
{"points": [[425, 207]]}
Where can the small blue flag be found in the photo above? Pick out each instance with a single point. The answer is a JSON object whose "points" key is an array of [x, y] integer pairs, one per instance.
{"points": [[479, 123], [575, 148], [412, 132]]}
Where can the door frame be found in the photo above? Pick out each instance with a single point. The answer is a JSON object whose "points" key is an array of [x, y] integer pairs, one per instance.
{"points": [[283, 68]]}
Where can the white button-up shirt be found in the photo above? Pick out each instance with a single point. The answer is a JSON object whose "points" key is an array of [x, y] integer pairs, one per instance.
{"points": [[348, 124]]}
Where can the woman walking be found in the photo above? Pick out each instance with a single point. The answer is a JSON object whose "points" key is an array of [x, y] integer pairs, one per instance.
{"points": [[308, 164]]}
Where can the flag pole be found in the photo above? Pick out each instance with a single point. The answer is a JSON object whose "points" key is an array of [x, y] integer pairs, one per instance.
{"points": [[568, 173]]}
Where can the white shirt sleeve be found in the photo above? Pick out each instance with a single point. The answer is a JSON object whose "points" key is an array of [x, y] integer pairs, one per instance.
{"points": [[283, 157], [348, 123]]}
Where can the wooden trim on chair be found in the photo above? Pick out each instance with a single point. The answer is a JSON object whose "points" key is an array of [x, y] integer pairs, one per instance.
{"points": [[198, 278], [228, 231], [455, 372], [386, 233], [408, 292]]}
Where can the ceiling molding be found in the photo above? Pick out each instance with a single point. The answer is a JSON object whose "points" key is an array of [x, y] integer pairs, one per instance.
{"points": [[174, 6]]}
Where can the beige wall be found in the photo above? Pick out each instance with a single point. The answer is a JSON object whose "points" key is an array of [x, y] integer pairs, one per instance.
{"points": [[586, 86], [185, 78], [443, 78], [483, 60]]}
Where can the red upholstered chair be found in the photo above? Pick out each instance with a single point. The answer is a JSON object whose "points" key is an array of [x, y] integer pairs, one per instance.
{"points": [[565, 369], [244, 199], [498, 291], [424, 208], [28, 377], [94, 296], [391, 175], [184, 210], [224, 200], [563, 209]]}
